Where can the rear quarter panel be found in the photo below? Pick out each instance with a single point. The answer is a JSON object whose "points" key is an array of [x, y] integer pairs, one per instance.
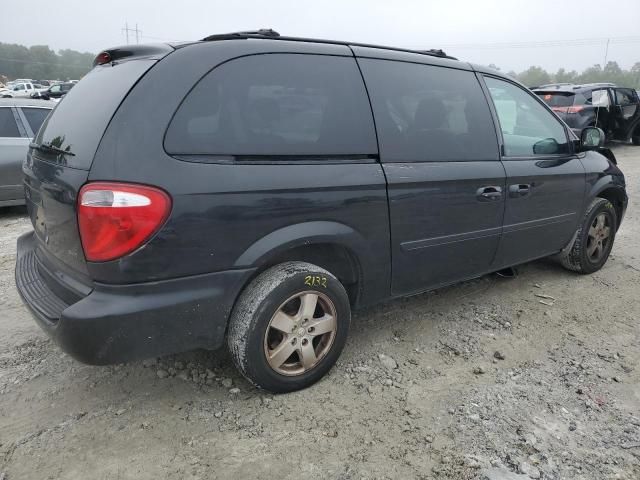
{"points": [[228, 216]]}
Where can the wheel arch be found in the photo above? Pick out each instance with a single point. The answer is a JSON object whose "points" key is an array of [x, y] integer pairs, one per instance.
{"points": [[616, 196], [334, 246]]}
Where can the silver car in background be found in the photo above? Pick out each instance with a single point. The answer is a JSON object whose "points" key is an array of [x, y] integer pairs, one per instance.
{"points": [[20, 120]]}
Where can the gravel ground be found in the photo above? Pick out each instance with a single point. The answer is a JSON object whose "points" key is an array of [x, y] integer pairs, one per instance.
{"points": [[480, 380]]}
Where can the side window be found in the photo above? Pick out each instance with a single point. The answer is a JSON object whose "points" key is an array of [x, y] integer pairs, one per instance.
{"points": [[624, 97], [8, 127], [527, 128], [275, 105], [426, 113], [55, 89], [19, 87], [35, 117]]}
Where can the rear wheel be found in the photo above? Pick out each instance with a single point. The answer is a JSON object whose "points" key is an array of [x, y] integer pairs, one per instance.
{"points": [[594, 238], [289, 326]]}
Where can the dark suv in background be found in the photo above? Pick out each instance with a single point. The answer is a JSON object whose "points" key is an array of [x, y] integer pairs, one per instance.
{"points": [[614, 109], [282, 182], [58, 90]]}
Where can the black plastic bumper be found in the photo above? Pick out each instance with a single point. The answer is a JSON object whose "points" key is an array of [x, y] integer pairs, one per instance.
{"points": [[118, 323]]}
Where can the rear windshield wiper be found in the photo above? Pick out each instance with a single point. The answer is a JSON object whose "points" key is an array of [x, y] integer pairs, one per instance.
{"points": [[47, 147]]}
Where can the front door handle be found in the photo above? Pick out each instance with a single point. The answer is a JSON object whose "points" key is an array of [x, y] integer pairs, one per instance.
{"points": [[489, 194], [519, 190]]}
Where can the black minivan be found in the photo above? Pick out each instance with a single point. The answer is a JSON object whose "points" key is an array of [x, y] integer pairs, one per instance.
{"points": [[253, 189]]}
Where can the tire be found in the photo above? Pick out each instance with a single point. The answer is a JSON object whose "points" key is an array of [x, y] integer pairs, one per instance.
{"points": [[635, 139], [285, 290], [583, 256]]}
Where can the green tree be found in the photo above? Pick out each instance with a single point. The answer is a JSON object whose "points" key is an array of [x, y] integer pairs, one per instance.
{"points": [[40, 62], [43, 62], [562, 76], [534, 76]]}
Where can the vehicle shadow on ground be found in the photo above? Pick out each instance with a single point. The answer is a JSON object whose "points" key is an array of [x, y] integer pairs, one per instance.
{"points": [[403, 317], [13, 212]]}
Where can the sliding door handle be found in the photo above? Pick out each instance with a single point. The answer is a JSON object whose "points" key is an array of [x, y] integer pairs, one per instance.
{"points": [[489, 194]]}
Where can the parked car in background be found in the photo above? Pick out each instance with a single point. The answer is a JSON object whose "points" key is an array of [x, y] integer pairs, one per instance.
{"points": [[19, 90], [282, 182], [616, 110], [54, 92], [20, 120]]}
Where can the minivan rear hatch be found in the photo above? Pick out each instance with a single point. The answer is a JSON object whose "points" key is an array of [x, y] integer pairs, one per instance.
{"points": [[60, 157]]}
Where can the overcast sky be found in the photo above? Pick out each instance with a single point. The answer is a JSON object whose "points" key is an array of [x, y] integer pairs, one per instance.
{"points": [[467, 29]]}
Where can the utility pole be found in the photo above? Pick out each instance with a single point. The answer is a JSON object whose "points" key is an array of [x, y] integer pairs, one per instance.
{"points": [[606, 53], [126, 30]]}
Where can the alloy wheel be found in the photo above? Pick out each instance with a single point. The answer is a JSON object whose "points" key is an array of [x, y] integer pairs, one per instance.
{"points": [[300, 333], [599, 237]]}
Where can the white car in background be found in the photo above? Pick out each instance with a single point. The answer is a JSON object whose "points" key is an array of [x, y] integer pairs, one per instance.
{"points": [[19, 90]]}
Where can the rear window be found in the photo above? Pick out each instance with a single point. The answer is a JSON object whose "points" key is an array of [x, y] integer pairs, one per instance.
{"points": [[35, 117], [561, 99], [81, 117], [8, 127], [276, 105]]}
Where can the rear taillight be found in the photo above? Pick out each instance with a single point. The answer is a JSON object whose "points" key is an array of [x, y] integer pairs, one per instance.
{"points": [[116, 218], [575, 109]]}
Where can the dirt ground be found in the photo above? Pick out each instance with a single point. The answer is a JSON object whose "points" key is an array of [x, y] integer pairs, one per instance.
{"points": [[483, 381]]}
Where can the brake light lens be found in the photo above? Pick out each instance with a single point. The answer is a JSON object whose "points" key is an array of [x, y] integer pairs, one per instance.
{"points": [[115, 219], [102, 58], [575, 109]]}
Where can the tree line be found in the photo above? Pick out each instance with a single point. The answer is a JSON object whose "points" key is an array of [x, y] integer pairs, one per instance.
{"points": [[39, 62], [536, 76]]}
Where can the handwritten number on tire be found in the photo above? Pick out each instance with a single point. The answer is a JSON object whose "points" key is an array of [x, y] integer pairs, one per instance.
{"points": [[315, 281]]}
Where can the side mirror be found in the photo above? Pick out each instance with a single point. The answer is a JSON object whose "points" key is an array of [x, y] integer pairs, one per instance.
{"points": [[592, 137]]}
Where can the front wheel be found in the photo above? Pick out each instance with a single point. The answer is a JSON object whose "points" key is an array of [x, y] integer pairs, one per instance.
{"points": [[289, 326], [594, 239]]}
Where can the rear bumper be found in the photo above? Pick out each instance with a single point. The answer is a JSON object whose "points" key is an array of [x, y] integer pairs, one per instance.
{"points": [[118, 323]]}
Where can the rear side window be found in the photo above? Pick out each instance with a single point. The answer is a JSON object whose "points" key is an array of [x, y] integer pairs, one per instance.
{"points": [[426, 113], [35, 117], [275, 105], [8, 127]]}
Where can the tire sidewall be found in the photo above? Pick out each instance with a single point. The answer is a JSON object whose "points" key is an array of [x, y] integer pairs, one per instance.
{"points": [[606, 207], [256, 362]]}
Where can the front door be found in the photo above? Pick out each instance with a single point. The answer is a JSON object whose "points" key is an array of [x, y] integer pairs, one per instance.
{"points": [[439, 152], [626, 112], [545, 180]]}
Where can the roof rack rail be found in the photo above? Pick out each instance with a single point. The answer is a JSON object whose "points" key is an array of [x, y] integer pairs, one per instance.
{"points": [[559, 84], [263, 32], [273, 35], [438, 52]]}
